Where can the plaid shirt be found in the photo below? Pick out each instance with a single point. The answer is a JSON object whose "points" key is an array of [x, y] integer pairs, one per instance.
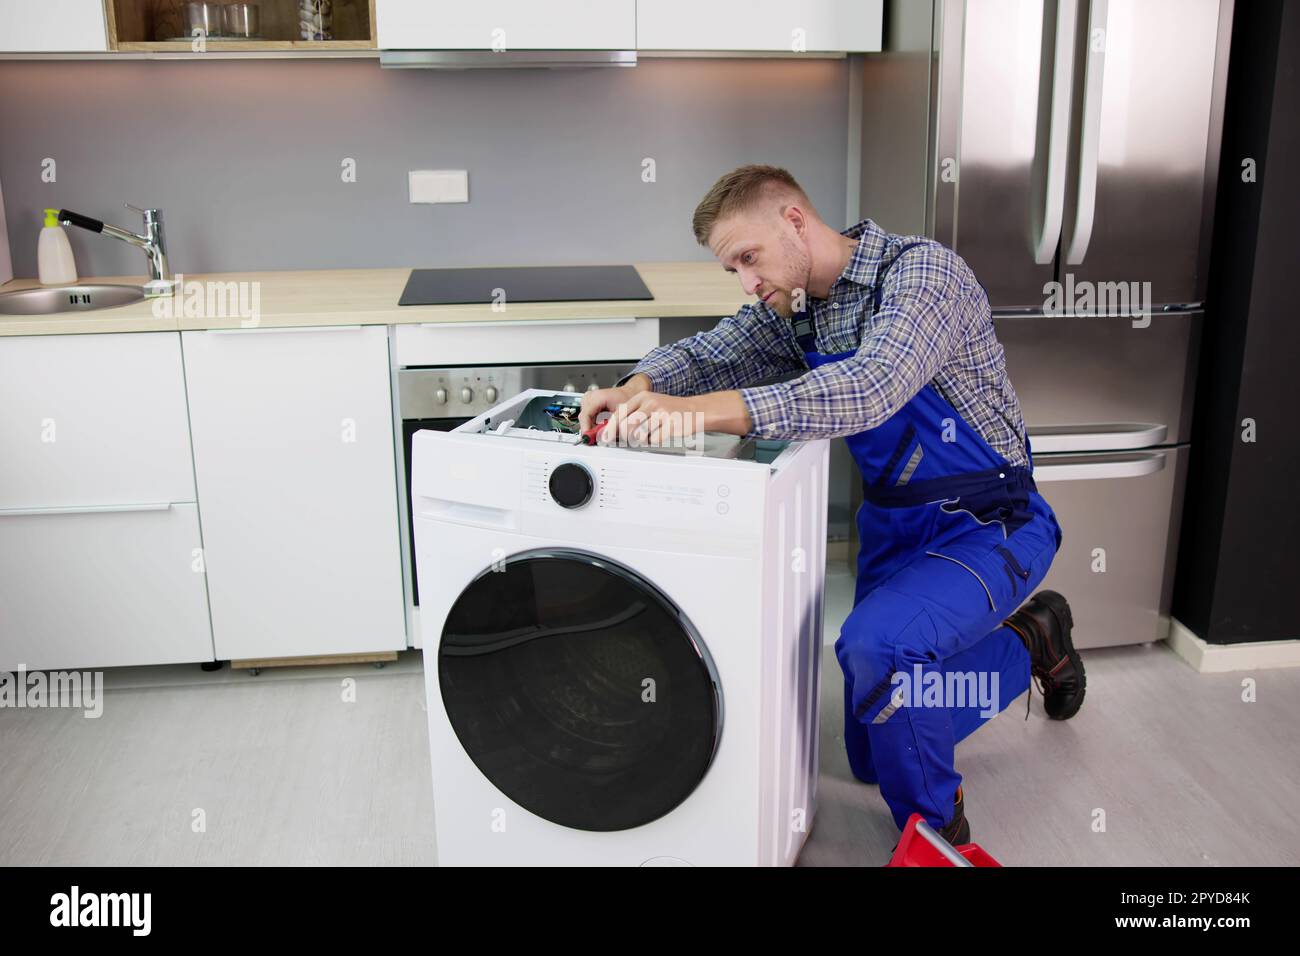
{"points": [[933, 326]]}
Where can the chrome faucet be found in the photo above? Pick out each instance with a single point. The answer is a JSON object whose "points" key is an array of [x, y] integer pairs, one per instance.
{"points": [[151, 243]]}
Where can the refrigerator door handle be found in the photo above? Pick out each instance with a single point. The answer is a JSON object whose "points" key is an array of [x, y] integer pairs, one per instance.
{"points": [[1050, 180], [1129, 466], [1111, 437], [1085, 204]]}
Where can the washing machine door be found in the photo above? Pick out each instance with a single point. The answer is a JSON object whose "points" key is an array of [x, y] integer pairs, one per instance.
{"points": [[579, 689]]}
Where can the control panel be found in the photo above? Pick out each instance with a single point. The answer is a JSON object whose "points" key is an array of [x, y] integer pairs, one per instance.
{"points": [[636, 491], [471, 390]]}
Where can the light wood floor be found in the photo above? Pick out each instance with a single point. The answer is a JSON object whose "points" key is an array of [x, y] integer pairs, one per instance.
{"points": [[285, 772]]}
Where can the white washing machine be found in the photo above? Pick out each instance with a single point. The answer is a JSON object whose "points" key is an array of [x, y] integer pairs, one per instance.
{"points": [[621, 646]]}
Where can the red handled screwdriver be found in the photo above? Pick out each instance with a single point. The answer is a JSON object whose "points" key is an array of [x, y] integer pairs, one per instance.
{"points": [[589, 436]]}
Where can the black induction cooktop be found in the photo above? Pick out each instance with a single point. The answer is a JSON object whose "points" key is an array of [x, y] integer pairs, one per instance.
{"points": [[523, 284]]}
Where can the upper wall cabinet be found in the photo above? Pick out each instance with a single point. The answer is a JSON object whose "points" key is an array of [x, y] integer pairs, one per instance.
{"points": [[273, 26], [770, 26], [52, 26], [505, 25]]}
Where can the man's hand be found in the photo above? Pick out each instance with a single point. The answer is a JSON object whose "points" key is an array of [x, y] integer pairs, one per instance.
{"points": [[608, 399], [651, 418]]}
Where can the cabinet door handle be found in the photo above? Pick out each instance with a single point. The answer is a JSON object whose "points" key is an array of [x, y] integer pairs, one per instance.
{"points": [[527, 323], [87, 509], [285, 328]]}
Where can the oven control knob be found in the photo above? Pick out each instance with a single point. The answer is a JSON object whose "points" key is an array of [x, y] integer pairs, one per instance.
{"points": [[466, 395], [490, 393], [440, 396], [568, 387], [592, 387], [571, 485]]}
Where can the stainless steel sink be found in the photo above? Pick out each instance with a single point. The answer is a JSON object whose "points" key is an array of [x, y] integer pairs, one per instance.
{"points": [[69, 298]]}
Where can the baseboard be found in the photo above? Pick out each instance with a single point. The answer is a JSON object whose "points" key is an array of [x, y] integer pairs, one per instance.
{"points": [[314, 660], [1219, 658]]}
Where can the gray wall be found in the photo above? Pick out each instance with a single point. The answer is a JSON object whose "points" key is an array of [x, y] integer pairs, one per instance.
{"points": [[243, 157]]}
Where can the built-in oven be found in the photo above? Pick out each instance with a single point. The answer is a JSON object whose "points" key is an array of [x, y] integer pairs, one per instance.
{"points": [[440, 399]]}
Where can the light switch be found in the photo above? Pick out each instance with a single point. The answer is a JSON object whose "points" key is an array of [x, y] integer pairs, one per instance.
{"points": [[439, 185]]}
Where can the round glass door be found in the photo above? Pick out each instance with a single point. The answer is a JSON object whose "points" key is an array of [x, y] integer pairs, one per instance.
{"points": [[579, 690]]}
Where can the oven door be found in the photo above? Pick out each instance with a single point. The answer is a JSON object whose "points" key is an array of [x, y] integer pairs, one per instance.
{"points": [[579, 689]]}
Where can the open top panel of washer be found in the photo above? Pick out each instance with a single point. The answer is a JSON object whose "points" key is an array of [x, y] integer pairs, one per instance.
{"points": [[547, 416]]}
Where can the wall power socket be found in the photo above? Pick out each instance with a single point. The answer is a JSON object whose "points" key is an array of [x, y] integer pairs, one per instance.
{"points": [[438, 185]]}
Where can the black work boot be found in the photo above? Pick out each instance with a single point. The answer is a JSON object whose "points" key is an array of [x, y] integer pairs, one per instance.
{"points": [[1044, 623], [957, 830]]}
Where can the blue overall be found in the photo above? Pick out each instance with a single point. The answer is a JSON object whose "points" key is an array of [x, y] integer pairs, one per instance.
{"points": [[953, 540]]}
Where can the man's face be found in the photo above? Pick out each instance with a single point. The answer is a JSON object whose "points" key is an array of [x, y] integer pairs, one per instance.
{"points": [[768, 252]]}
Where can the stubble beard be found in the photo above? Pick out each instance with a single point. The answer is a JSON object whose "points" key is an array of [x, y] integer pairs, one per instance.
{"points": [[798, 274]]}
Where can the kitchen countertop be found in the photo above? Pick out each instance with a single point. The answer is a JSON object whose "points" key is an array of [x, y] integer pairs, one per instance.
{"points": [[369, 297]]}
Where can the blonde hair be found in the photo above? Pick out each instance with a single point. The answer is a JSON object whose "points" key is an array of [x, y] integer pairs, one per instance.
{"points": [[742, 189]]}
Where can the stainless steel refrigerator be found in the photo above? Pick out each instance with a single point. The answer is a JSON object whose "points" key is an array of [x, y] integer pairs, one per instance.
{"points": [[1069, 151]]}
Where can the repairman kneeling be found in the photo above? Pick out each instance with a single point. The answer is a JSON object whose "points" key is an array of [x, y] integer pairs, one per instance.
{"points": [[897, 342]]}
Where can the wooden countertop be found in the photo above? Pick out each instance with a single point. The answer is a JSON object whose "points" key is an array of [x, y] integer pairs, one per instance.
{"points": [[369, 297]]}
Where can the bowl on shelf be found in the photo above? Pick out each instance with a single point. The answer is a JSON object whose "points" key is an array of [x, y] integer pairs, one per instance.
{"points": [[240, 20], [206, 17]]}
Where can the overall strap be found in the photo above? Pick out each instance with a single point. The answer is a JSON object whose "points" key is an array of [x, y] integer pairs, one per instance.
{"points": [[805, 332], [880, 275]]}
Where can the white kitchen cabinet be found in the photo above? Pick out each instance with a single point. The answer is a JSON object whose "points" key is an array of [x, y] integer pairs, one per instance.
{"points": [[99, 535], [52, 26], [776, 26], [506, 24], [111, 587], [293, 452], [93, 419]]}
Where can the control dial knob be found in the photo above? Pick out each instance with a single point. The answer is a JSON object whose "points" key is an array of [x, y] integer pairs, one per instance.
{"points": [[571, 485]]}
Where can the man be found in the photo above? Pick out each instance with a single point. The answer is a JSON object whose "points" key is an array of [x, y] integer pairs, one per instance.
{"points": [[897, 341]]}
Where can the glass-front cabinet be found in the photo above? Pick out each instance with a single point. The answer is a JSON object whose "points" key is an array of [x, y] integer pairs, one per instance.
{"points": [[265, 25]]}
